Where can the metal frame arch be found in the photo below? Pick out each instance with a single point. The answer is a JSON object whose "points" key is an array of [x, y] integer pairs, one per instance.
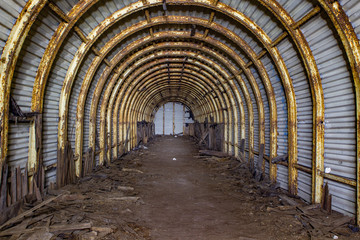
{"points": [[117, 94], [226, 99], [191, 53]]}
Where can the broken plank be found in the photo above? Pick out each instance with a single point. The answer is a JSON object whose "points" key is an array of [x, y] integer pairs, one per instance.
{"points": [[131, 170], [213, 153], [3, 188], [70, 227]]}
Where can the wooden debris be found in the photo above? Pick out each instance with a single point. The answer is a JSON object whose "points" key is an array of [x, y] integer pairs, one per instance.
{"points": [[42, 234], [3, 188], [131, 170], [282, 158], [103, 231], [213, 153], [203, 137], [288, 200], [70, 227], [124, 188], [126, 199], [326, 198], [28, 212], [71, 197]]}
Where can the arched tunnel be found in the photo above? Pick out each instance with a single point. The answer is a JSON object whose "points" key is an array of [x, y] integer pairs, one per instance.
{"points": [[273, 84]]}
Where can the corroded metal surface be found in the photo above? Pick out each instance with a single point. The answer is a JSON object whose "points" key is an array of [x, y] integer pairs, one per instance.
{"points": [[206, 85], [352, 47], [9, 58]]}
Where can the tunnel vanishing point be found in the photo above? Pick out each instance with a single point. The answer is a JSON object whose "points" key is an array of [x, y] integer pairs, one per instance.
{"points": [[275, 82]]}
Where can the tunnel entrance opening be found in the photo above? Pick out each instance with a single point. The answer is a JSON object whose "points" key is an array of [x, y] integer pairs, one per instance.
{"points": [[173, 118]]}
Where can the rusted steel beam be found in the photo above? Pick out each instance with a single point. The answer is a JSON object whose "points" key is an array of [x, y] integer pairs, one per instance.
{"points": [[59, 12], [307, 17], [9, 58], [351, 45]]}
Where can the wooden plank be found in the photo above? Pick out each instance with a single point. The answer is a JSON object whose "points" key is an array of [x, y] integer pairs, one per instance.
{"points": [[204, 135], [70, 227], [18, 183], [213, 153], [25, 186], [260, 164], [3, 189], [13, 186]]}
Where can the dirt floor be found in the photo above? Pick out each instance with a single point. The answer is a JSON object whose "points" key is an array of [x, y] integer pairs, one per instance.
{"points": [[166, 190]]}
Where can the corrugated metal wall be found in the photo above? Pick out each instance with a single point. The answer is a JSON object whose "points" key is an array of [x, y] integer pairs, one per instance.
{"points": [[9, 13], [340, 148], [337, 83], [51, 103], [304, 114], [23, 82], [282, 122]]}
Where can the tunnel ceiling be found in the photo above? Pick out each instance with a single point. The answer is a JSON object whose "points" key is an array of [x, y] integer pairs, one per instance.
{"points": [[281, 76]]}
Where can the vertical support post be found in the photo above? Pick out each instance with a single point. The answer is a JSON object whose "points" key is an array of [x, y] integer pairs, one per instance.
{"points": [[35, 161]]}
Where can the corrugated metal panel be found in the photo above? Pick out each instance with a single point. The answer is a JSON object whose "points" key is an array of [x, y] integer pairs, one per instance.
{"points": [[246, 118], [9, 12], [88, 106], [18, 145], [51, 102], [259, 15], [118, 28], [75, 95], [23, 81], [351, 7], [256, 118], [343, 197], [234, 26], [97, 140], [65, 5], [158, 120], [340, 148], [304, 113], [30, 57], [266, 109], [120, 46], [296, 9], [282, 176]]}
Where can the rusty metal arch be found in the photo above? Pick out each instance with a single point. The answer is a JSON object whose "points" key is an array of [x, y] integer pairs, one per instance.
{"points": [[172, 44], [116, 107], [166, 66]]}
